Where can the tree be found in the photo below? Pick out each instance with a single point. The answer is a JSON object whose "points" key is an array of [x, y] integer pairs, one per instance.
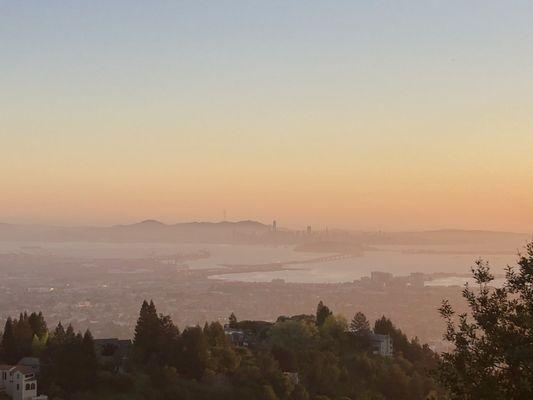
{"points": [[215, 334], [333, 333], [23, 336], [293, 335], [59, 333], [37, 324], [232, 321], [69, 361], [493, 354], [70, 335], [299, 393], [222, 356], [156, 337], [9, 350], [322, 312], [360, 325], [195, 356], [38, 344], [17, 339], [89, 359], [268, 393], [323, 372], [146, 332]]}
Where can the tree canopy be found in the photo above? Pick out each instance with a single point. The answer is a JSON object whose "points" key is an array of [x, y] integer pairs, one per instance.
{"points": [[295, 358], [493, 344]]}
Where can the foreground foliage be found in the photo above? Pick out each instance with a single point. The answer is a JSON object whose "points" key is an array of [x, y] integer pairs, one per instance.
{"points": [[305, 357], [493, 346]]}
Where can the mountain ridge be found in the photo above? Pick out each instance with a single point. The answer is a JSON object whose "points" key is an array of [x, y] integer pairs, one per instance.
{"points": [[243, 231]]}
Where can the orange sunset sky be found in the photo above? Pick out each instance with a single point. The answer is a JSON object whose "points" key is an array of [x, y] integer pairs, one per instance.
{"points": [[360, 115]]}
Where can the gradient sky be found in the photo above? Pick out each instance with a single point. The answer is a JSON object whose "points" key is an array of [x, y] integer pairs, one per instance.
{"points": [[357, 114]]}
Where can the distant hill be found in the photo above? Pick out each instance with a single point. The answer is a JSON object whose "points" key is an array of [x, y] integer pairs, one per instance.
{"points": [[145, 231], [248, 232]]}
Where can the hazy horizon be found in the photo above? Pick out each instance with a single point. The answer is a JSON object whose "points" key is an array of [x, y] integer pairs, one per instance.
{"points": [[267, 223], [364, 116]]}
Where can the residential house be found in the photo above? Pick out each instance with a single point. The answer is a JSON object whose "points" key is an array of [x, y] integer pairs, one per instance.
{"points": [[381, 344], [19, 382]]}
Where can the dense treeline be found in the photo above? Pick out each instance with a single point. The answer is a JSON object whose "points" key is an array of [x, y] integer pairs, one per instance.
{"points": [[68, 359], [25, 336], [315, 357]]}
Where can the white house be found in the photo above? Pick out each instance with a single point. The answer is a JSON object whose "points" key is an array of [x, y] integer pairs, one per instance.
{"points": [[19, 382]]}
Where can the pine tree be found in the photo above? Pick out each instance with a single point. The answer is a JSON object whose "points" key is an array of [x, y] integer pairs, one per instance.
{"points": [[322, 312], [69, 361], [232, 321], [59, 333], [167, 341], [360, 325], [144, 331], [155, 336], [90, 361], [37, 324], [70, 335], [23, 336], [8, 343]]}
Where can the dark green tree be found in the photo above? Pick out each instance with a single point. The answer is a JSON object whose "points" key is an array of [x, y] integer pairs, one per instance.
{"points": [[69, 362], [232, 321], [493, 345], [89, 359], [9, 345], [156, 337], [322, 312], [299, 393], [360, 325], [147, 332], [70, 335], [37, 324], [23, 336], [215, 334], [222, 355], [59, 333], [194, 352]]}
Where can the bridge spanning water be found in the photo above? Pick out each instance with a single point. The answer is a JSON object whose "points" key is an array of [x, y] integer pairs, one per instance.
{"points": [[328, 258]]}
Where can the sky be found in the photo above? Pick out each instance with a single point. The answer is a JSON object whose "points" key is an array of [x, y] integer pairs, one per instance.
{"points": [[392, 115]]}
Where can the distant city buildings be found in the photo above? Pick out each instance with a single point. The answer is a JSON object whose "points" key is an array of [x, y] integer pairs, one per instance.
{"points": [[381, 278]]}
